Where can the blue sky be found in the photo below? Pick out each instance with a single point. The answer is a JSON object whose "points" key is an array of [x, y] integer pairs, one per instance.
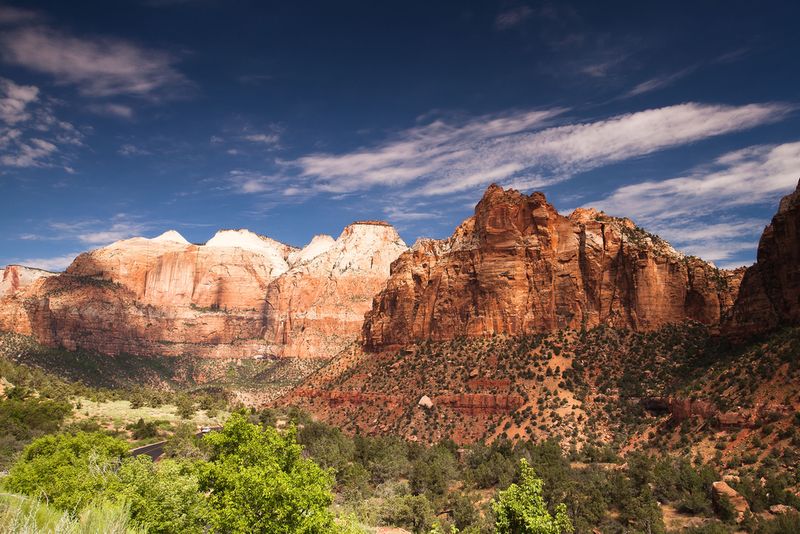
{"points": [[296, 118]]}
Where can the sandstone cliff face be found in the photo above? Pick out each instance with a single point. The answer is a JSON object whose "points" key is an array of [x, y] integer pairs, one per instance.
{"points": [[165, 296], [517, 266], [318, 306], [770, 290], [16, 284]]}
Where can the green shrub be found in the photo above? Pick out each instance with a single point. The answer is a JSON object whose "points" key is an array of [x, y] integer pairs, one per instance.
{"points": [[67, 470]]}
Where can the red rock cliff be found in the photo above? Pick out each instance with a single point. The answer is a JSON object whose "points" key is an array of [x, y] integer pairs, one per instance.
{"points": [[770, 290], [517, 266], [165, 296]]}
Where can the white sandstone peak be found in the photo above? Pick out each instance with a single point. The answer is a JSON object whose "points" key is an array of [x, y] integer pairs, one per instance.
{"points": [[171, 236], [275, 251], [363, 246], [318, 244]]}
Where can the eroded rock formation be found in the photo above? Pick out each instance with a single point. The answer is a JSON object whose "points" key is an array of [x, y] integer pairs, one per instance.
{"points": [[165, 296], [770, 290], [518, 266], [318, 306]]}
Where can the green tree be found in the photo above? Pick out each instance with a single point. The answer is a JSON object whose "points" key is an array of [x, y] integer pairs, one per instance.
{"points": [[67, 470], [411, 511], [521, 509], [433, 470], [163, 497], [258, 481]]}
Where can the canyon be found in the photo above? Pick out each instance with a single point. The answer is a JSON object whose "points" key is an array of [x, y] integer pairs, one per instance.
{"points": [[516, 268]]}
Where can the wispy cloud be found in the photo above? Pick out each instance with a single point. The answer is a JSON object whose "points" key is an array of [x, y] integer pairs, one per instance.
{"points": [[403, 213], [512, 17], [658, 82], [250, 182], [708, 194], [55, 263], [129, 149], [91, 231], [112, 110], [428, 151], [15, 100], [443, 157], [98, 66], [29, 153], [743, 177], [261, 138], [30, 133], [16, 15]]}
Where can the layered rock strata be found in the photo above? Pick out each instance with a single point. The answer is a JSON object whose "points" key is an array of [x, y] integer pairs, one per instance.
{"points": [[518, 266]]}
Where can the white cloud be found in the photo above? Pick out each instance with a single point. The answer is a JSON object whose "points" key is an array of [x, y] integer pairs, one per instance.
{"points": [[30, 133], [15, 100], [29, 154], [98, 67], [91, 231], [424, 151], [56, 263], [708, 194], [249, 182], [402, 213], [441, 158], [744, 177]]}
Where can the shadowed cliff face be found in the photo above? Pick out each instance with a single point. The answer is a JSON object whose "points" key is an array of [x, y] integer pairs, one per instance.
{"points": [[770, 290], [517, 266]]}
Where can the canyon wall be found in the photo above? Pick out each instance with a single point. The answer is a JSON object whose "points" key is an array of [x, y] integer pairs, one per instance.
{"points": [[165, 296], [518, 266], [770, 291]]}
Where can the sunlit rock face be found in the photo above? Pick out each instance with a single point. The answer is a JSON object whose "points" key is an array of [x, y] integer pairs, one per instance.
{"points": [[165, 296], [318, 306], [518, 266], [770, 292], [17, 282]]}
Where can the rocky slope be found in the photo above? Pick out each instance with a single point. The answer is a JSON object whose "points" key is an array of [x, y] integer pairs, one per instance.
{"points": [[770, 290], [165, 296], [517, 266]]}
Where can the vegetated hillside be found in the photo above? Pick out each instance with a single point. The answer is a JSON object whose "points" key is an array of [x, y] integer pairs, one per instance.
{"points": [[251, 381], [672, 388]]}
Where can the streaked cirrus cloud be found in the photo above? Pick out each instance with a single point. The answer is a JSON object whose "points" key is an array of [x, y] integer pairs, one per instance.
{"points": [[699, 212], [523, 149]]}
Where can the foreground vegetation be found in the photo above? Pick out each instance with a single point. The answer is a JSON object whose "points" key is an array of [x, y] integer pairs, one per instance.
{"points": [[66, 448], [281, 472]]}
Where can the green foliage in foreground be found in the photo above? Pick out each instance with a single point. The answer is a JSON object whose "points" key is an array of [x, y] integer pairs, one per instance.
{"points": [[520, 509], [67, 470], [255, 480], [259, 482]]}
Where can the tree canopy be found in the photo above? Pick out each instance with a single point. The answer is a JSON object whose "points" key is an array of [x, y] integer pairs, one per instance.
{"points": [[521, 509]]}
